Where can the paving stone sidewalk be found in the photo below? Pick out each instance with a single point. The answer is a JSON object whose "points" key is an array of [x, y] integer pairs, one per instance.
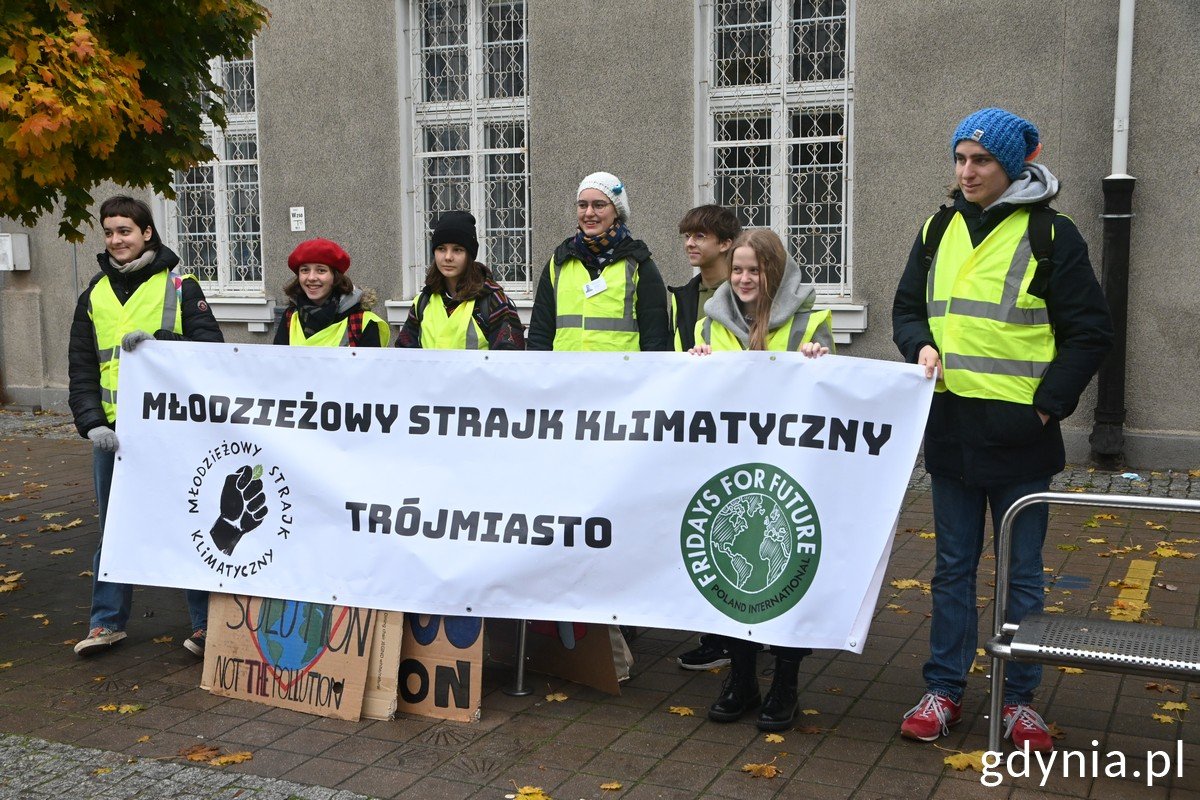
{"points": [[55, 740]]}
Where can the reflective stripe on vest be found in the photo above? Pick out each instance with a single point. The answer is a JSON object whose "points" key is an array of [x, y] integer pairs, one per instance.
{"points": [[337, 335], [457, 330], [604, 321], [995, 338], [805, 326], [153, 306]]}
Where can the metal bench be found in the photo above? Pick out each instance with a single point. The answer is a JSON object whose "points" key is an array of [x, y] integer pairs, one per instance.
{"points": [[1100, 644]]}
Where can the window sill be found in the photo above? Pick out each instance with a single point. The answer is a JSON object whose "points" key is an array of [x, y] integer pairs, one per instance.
{"points": [[258, 313]]}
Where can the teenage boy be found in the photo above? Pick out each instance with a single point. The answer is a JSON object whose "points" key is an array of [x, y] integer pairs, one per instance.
{"points": [[999, 303], [708, 233]]}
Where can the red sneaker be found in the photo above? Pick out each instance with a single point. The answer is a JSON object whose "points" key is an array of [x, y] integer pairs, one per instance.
{"points": [[1027, 729], [931, 718]]}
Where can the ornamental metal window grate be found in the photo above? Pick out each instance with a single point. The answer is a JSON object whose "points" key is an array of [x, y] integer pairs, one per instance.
{"points": [[777, 120], [215, 222], [470, 119]]}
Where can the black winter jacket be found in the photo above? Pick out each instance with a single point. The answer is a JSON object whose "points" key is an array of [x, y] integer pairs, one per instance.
{"points": [[994, 442], [650, 308], [83, 365], [687, 298]]}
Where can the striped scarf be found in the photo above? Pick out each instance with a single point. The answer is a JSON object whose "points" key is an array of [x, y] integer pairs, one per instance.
{"points": [[596, 252]]}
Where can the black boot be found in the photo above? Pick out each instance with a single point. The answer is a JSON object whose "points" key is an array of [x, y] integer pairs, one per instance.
{"points": [[740, 692], [780, 708]]}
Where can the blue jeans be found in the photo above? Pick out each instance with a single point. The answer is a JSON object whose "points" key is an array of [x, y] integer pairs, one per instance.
{"points": [[111, 601], [959, 513]]}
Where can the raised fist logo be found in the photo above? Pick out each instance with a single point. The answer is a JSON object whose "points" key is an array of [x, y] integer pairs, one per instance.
{"points": [[243, 507]]}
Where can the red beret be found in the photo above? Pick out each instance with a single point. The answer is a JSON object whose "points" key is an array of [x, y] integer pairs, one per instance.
{"points": [[319, 251]]}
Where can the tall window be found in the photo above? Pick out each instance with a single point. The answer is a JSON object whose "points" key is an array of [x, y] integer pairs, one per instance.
{"points": [[778, 125], [214, 223], [471, 120]]}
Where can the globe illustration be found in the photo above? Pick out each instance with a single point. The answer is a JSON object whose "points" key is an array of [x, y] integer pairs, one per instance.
{"points": [[291, 634], [749, 541]]}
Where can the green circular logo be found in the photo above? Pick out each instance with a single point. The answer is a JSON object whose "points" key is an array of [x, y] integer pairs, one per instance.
{"points": [[751, 541]]}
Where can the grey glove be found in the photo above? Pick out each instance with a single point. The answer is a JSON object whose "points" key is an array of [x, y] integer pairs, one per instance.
{"points": [[132, 340], [104, 438]]}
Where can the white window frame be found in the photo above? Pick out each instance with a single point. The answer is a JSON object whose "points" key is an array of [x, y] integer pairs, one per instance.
{"points": [[778, 99], [475, 112], [245, 299]]}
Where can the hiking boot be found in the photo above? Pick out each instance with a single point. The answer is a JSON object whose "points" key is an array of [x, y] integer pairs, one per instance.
{"points": [[740, 693], [781, 706], [931, 718], [709, 655], [98, 640], [1026, 728], [194, 644]]}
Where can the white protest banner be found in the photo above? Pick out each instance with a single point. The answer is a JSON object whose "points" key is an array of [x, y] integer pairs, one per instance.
{"points": [[750, 494]]}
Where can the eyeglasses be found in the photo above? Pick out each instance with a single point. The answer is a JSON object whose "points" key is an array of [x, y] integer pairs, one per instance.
{"points": [[596, 205]]}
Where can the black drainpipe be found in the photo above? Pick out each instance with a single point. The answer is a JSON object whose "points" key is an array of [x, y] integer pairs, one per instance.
{"points": [[1108, 430]]}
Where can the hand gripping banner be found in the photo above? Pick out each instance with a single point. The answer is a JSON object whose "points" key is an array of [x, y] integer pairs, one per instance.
{"points": [[750, 494]]}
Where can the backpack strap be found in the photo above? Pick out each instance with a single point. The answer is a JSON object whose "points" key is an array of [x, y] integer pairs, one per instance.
{"points": [[1041, 243], [933, 234]]}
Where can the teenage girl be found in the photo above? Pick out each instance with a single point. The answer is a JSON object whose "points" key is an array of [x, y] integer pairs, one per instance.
{"points": [[326, 309]]}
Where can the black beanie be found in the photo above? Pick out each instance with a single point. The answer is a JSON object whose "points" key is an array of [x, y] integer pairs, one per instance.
{"points": [[456, 227]]}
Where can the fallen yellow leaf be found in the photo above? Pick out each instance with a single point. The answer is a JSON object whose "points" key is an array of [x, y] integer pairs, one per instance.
{"points": [[1097, 541], [130, 708], [532, 793], [1105, 516], [1162, 687], [1070, 670], [683, 711], [927, 535], [960, 761], [200, 752], [108, 707], [773, 738], [17, 518], [1171, 706], [554, 697], [6, 665], [87, 573], [11, 577], [1091, 523], [53, 514], [1053, 609], [768, 770], [1165, 719], [1068, 548], [4, 498], [911, 583], [231, 758], [142, 740], [809, 712], [164, 639], [611, 786], [66, 551], [101, 770]]}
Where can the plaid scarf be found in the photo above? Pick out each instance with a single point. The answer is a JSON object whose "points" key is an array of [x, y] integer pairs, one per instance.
{"points": [[596, 252]]}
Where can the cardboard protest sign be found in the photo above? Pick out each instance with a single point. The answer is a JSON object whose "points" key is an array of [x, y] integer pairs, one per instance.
{"points": [[441, 669], [301, 656]]}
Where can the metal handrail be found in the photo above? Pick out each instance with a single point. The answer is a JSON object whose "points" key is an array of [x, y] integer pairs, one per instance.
{"points": [[1004, 555]]}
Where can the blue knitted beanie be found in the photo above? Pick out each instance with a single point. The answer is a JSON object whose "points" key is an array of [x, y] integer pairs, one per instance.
{"points": [[1003, 134]]}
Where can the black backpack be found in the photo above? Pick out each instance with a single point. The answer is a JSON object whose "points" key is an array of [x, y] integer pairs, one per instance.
{"points": [[1041, 242]]}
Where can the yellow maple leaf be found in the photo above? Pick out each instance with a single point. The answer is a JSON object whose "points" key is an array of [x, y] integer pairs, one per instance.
{"points": [[164, 639], [553, 697], [1162, 687], [976, 667], [910, 583], [768, 770], [87, 573], [1165, 719], [1070, 670], [683, 711], [1187, 541], [773, 738], [4, 498], [1053, 609], [231, 758], [1097, 541], [130, 708], [532, 793], [1165, 552], [101, 770], [960, 761], [17, 518], [898, 609], [11, 577], [200, 752], [1105, 516], [927, 535], [1171, 706], [6, 665], [1091, 523], [66, 551], [1154, 526], [611, 786], [809, 712], [53, 514], [108, 707], [142, 739]]}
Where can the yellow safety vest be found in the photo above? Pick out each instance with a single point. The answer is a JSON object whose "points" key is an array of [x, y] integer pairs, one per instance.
{"points": [[995, 339], [336, 335], [801, 328], [153, 306], [604, 321], [457, 330]]}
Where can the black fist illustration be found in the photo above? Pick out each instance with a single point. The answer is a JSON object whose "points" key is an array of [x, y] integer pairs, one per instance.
{"points": [[243, 507]]}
